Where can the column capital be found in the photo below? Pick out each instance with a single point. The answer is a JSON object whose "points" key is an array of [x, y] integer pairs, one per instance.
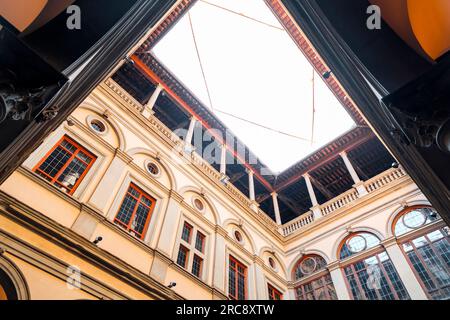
{"points": [[274, 194]]}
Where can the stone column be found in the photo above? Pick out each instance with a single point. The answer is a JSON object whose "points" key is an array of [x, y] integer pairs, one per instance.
{"points": [[338, 281], [276, 208], [223, 160], [251, 185], [261, 289], [406, 274], [220, 257], [359, 185], [315, 205], [148, 108], [190, 135], [168, 233]]}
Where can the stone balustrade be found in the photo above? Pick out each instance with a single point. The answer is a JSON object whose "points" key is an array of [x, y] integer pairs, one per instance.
{"points": [[380, 181]]}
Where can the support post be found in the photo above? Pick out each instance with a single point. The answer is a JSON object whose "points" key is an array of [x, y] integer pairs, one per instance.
{"points": [[190, 135], [315, 205], [359, 185], [223, 160], [276, 208], [148, 108]]}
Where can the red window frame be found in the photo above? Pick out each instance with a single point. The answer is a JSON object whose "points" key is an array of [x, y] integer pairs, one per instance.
{"points": [[186, 253], [54, 179], [200, 262], [142, 194], [274, 294], [187, 226], [234, 295], [200, 237]]}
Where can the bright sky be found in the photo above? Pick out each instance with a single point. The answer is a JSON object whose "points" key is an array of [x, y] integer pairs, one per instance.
{"points": [[255, 72]]}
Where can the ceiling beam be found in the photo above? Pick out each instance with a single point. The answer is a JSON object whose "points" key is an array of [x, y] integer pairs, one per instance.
{"points": [[321, 187], [236, 176], [366, 137], [291, 205]]}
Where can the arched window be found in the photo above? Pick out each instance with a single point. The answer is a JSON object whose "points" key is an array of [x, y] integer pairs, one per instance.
{"points": [[426, 247], [314, 280], [372, 276], [7, 288]]}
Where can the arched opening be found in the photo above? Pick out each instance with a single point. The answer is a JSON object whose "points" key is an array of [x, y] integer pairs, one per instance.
{"points": [[313, 281], [368, 270], [425, 243], [7, 288]]}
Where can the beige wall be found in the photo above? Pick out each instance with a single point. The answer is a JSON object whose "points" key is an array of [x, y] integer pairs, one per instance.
{"points": [[129, 142]]}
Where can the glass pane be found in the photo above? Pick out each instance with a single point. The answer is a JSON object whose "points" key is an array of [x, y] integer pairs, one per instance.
{"points": [[126, 210], [140, 218], [55, 161], [72, 173]]}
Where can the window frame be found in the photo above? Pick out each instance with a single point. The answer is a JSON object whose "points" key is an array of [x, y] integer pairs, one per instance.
{"points": [[372, 252], [274, 292], [203, 240], [53, 180], [414, 234], [187, 254], [200, 272], [127, 228], [238, 263], [190, 227], [307, 279], [191, 246]]}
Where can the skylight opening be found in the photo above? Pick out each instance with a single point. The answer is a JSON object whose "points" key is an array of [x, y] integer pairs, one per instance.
{"points": [[260, 84]]}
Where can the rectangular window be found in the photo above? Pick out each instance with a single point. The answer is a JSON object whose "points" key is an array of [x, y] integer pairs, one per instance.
{"points": [[200, 242], [430, 257], [135, 212], [375, 278], [237, 280], [187, 231], [65, 165], [197, 264], [320, 288], [183, 255], [274, 294]]}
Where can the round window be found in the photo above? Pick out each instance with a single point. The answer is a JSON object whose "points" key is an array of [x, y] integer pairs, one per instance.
{"points": [[153, 168], [414, 219], [98, 126], [238, 236], [272, 263], [199, 204], [357, 244], [308, 265]]}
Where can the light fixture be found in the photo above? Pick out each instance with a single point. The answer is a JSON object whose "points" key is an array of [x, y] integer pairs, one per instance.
{"points": [[97, 240], [171, 285], [327, 74], [395, 165]]}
